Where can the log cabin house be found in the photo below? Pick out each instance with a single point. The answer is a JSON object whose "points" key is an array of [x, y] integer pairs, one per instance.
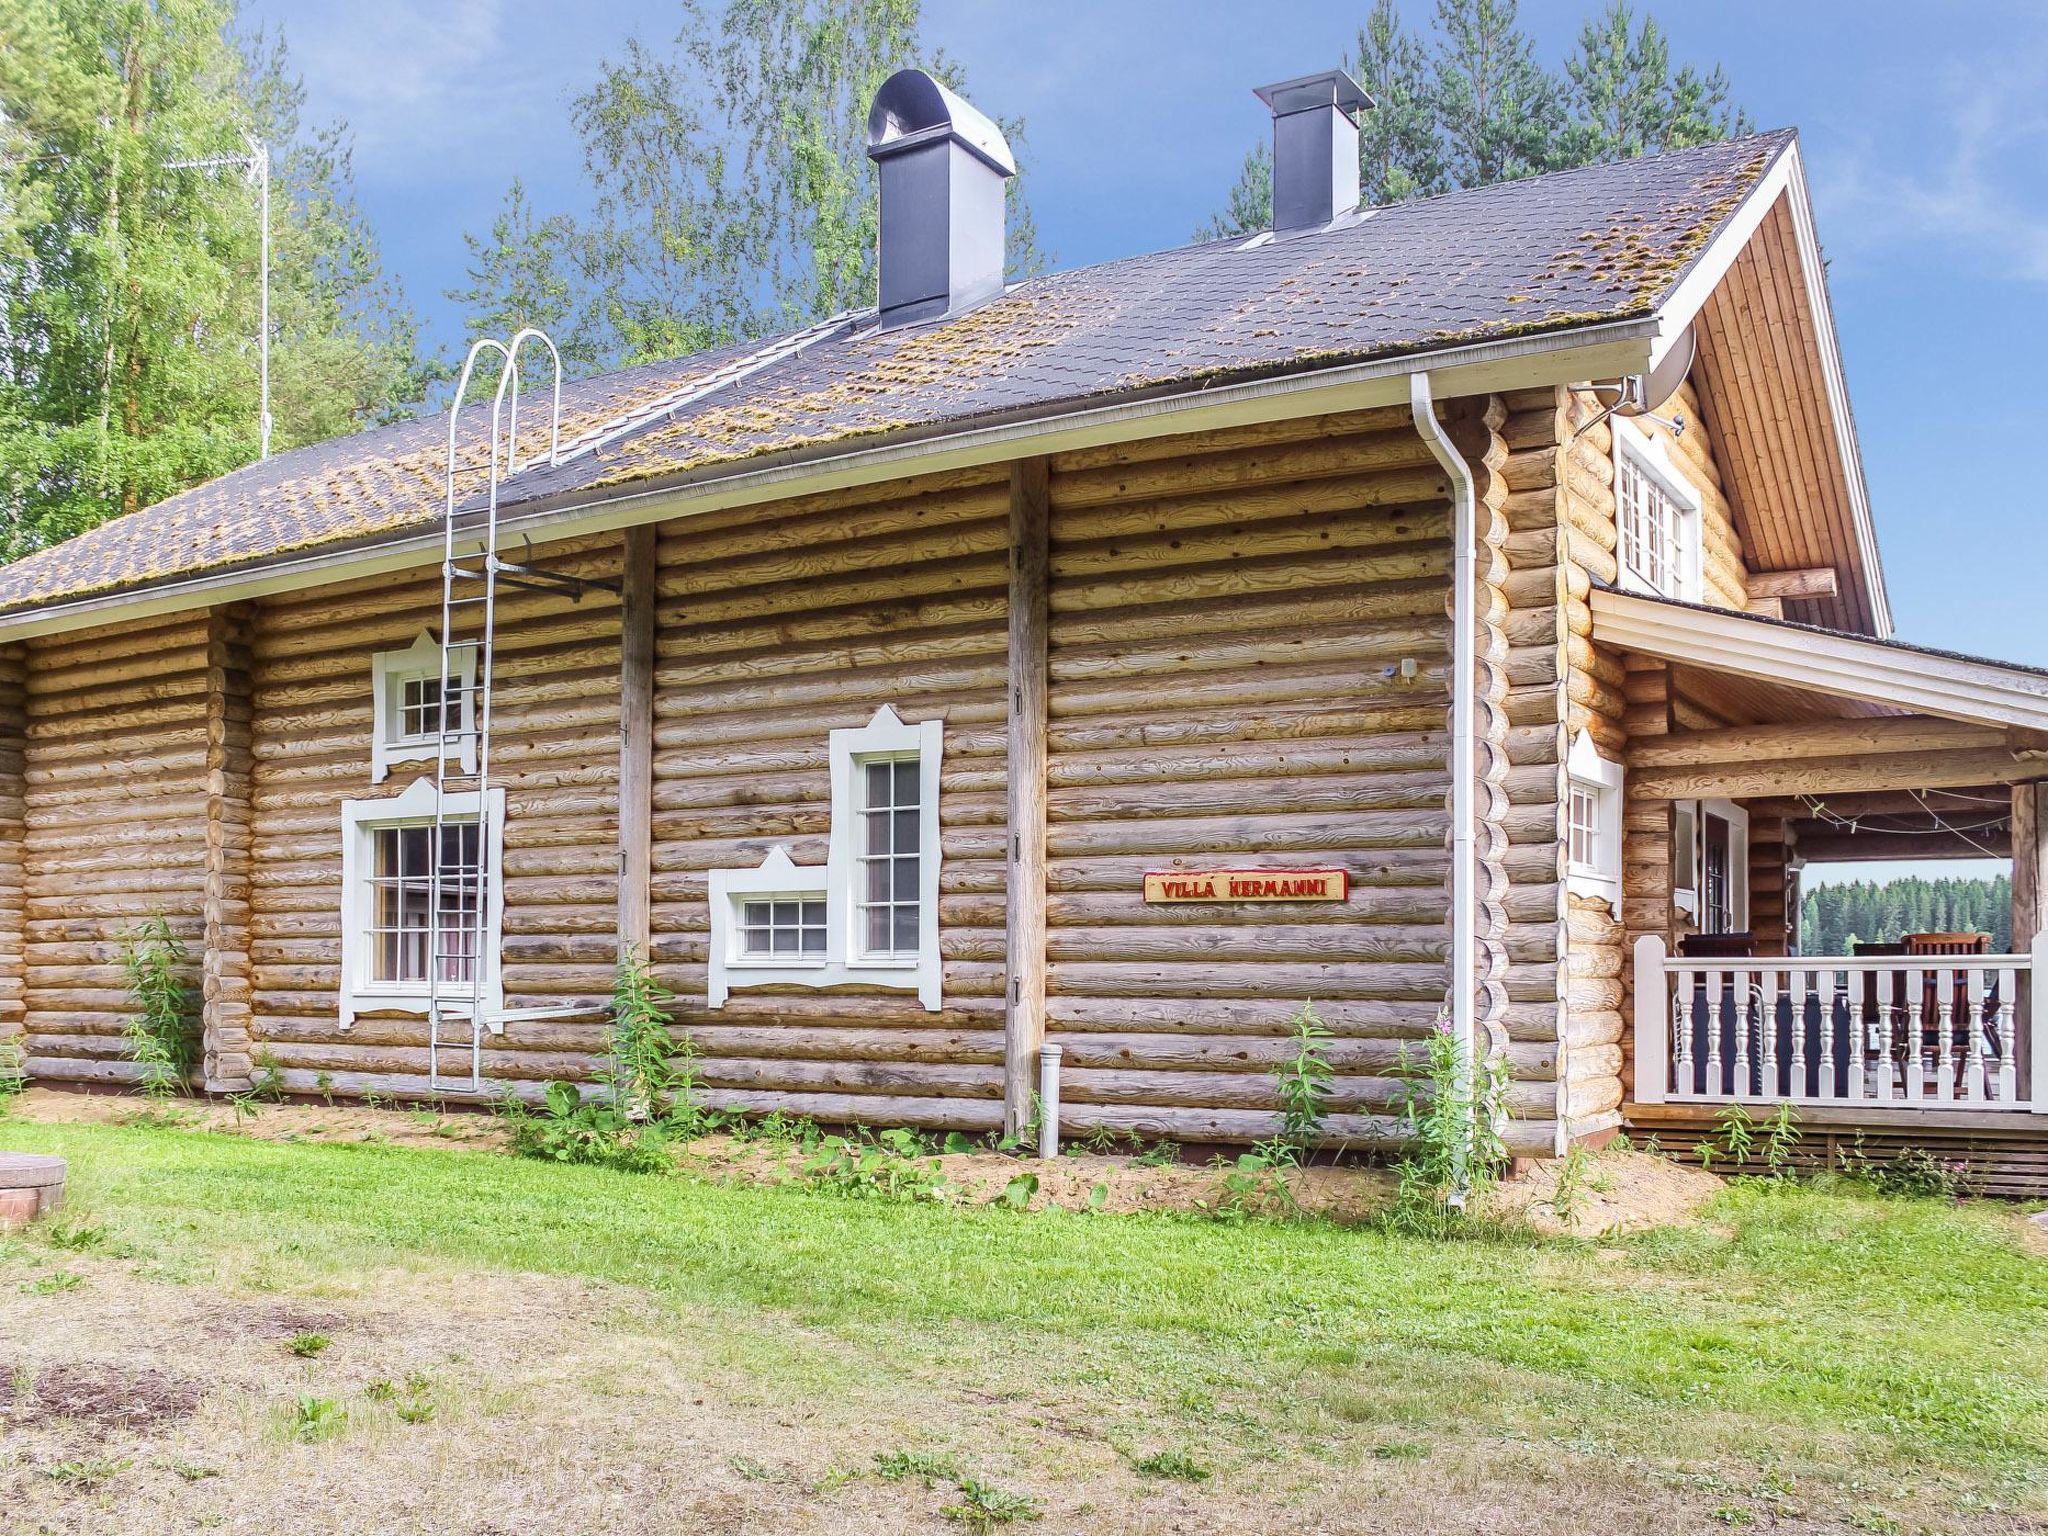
{"points": [[1466, 609]]}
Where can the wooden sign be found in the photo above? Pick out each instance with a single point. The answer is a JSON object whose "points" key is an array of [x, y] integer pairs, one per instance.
{"points": [[1247, 885]]}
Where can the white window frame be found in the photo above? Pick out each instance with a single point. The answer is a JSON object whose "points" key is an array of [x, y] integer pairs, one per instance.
{"points": [[1651, 459], [390, 671], [1737, 818], [361, 992], [845, 961], [1587, 771]]}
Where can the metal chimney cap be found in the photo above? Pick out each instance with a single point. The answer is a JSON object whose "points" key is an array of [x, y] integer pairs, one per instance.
{"points": [[912, 108], [1327, 88]]}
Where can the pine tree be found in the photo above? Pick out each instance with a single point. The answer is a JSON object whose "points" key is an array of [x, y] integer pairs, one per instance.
{"points": [[1624, 100], [1399, 152], [1249, 208], [129, 277], [1469, 105], [1497, 109]]}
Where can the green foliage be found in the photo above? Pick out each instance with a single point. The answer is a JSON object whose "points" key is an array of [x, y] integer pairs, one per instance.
{"points": [[983, 1508], [1018, 1192], [1177, 1465], [1781, 1140], [1453, 1110], [13, 1068], [1468, 104], [1737, 1129], [130, 280], [1256, 1183], [55, 1283], [731, 193], [308, 1345], [648, 1072], [1911, 1174], [268, 1082], [876, 1165], [567, 1128], [313, 1419], [85, 1473], [928, 1467], [1833, 918], [159, 1033], [1306, 1080]]}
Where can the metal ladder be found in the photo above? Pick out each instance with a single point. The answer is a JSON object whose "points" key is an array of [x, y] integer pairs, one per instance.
{"points": [[457, 1013]]}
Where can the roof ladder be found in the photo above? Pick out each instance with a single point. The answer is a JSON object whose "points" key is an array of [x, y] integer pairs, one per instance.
{"points": [[461, 958]]}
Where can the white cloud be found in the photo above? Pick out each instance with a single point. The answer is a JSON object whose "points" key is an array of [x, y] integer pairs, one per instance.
{"points": [[1957, 176], [413, 80]]}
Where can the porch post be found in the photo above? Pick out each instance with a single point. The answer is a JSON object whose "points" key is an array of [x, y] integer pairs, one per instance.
{"points": [[1653, 1012], [2029, 876], [2037, 1033]]}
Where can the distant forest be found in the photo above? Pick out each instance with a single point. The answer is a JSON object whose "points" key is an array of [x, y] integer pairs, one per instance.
{"points": [[1833, 917]]}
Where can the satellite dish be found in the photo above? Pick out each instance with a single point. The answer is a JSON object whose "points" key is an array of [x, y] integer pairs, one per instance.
{"points": [[1647, 393]]}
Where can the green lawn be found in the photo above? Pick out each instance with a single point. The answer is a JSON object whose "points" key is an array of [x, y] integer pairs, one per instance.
{"points": [[1806, 1352]]}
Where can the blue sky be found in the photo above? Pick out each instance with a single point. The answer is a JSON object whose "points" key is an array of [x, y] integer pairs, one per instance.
{"points": [[1925, 141]]}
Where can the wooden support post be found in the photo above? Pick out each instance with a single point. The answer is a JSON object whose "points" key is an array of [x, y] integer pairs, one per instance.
{"points": [[1652, 1020], [1030, 577], [2030, 929], [226, 1013], [636, 742], [13, 879]]}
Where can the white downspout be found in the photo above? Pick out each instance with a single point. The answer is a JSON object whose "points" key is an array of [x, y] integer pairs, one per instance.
{"points": [[1463, 765]]}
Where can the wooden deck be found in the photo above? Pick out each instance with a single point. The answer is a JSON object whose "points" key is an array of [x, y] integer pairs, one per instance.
{"points": [[2006, 1155]]}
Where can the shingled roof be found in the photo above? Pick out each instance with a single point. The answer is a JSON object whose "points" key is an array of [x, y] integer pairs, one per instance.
{"points": [[1551, 254]]}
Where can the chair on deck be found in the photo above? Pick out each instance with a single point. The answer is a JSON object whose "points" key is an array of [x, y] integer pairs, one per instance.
{"points": [[1916, 944]]}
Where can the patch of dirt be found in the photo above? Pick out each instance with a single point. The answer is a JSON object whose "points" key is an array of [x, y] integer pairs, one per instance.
{"points": [[1127, 1184], [276, 1323], [292, 1120], [110, 1396], [1606, 1193]]}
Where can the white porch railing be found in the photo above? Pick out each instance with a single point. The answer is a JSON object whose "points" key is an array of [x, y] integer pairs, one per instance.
{"points": [[1923, 1031]]}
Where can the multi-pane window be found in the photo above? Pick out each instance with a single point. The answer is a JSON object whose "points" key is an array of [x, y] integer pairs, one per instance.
{"points": [[1583, 840], [419, 708], [424, 903], [1654, 528], [794, 926], [888, 851], [1717, 895]]}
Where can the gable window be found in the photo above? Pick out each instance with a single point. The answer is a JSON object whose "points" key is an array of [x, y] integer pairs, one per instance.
{"points": [[408, 699], [1657, 518], [869, 913], [421, 914], [1592, 823]]}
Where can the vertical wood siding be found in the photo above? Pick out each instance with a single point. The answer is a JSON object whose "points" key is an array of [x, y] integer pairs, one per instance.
{"points": [[776, 625], [115, 828], [555, 749]]}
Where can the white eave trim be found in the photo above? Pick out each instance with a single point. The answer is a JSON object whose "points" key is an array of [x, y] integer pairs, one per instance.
{"points": [[1787, 178], [1846, 666], [1606, 350]]}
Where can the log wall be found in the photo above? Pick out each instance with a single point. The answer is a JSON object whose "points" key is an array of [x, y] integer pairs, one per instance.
{"points": [[13, 895], [115, 828], [555, 749], [775, 625], [1228, 622]]}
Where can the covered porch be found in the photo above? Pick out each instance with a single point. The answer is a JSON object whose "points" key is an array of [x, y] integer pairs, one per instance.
{"points": [[1756, 749]]}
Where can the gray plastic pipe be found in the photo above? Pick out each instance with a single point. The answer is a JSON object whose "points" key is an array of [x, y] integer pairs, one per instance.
{"points": [[1463, 759], [1048, 1101]]}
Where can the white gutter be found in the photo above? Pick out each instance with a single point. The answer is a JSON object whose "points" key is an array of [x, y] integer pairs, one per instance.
{"points": [[1596, 351], [1463, 756]]}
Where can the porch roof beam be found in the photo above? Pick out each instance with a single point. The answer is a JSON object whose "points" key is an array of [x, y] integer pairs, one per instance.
{"points": [[1822, 661]]}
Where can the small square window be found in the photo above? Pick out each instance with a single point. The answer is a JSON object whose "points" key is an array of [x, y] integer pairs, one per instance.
{"points": [[419, 708], [1656, 517], [773, 926]]}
